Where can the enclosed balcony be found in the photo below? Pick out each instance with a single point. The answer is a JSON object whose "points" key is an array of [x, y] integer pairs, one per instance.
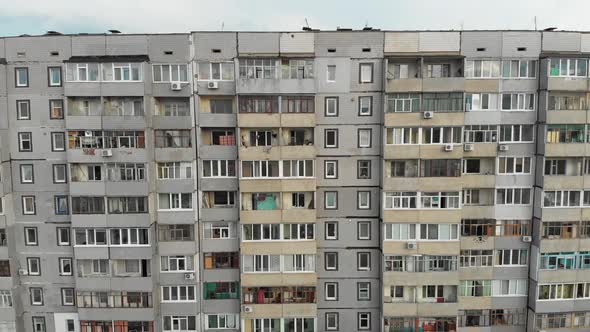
{"points": [[172, 113], [218, 143], [217, 111], [113, 145], [278, 206], [128, 273]]}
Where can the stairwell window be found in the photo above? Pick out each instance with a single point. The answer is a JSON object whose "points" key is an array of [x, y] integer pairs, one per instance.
{"points": [[366, 73], [364, 138], [365, 106], [23, 110], [331, 73], [21, 77], [54, 76]]}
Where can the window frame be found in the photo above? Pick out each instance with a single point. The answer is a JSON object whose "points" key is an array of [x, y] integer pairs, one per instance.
{"points": [[23, 172], [336, 317], [359, 167], [327, 101], [371, 74], [55, 140], [360, 319], [331, 286], [326, 225], [32, 291], [61, 261], [28, 241], [335, 206], [326, 260], [370, 106], [64, 297], [59, 237], [359, 259], [334, 131], [359, 289], [335, 163], [17, 82], [19, 108], [359, 194], [49, 76], [30, 262], [51, 107], [20, 141], [368, 144], [359, 226]]}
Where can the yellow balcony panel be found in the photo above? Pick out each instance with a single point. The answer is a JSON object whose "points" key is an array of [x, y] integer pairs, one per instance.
{"points": [[563, 182], [440, 184], [300, 310], [403, 119], [400, 183], [260, 153], [401, 215], [424, 216], [262, 311], [401, 152], [567, 84], [278, 279], [585, 214], [260, 185], [566, 150], [297, 152], [443, 84], [482, 85], [477, 211], [444, 119], [560, 245], [479, 181], [421, 278], [474, 273], [475, 302], [478, 243], [561, 117], [278, 247], [298, 215], [260, 216], [584, 244], [562, 275], [297, 185], [562, 214], [398, 248], [482, 150], [439, 248], [400, 309], [404, 85], [437, 151], [259, 120], [437, 309], [298, 120]]}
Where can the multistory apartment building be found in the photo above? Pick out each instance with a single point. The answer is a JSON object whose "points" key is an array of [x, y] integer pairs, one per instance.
{"points": [[295, 181]]}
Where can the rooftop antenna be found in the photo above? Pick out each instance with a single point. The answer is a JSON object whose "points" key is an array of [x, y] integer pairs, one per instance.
{"points": [[535, 22], [222, 25], [306, 23], [461, 25], [366, 23]]}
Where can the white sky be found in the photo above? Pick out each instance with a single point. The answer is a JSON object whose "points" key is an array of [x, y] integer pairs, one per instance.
{"points": [[71, 16]]}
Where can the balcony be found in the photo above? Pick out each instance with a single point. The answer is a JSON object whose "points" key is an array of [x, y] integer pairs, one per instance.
{"points": [[279, 279], [217, 111], [555, 83], [218, 143], [278, 247], [172, 113], [278, 206], [432, 74]]}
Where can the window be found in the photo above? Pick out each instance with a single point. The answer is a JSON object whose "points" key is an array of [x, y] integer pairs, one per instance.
{"points": [[471, 166], [70, 325], [519, 68], [331, 106], [331, 73], [67, 297], [331, 230], [331, 200], [363, 261], [222, 321], [82, 72], [565, 133], [258, 104], [36, 294], [91, 237], [21, 77], [173, 139], [174, 170], [65, 267], [518, 102], [221, 260], [481, 101], [331, 261], [129, 237], [440, 167], [63, 236], [480, 134], [438, 232], [363, 291], [331, 169], [297, 68], [298, 168], [400, 200], [363, 169], [516, 133], [38, 324], [34, 266], [260, 169], [514, 165], [25, 142], [513, 196], [440, 200], [176, 264], [176, 232], [60, 173], [331, 291], [364, 320], [26, 173], [31, 238], [121, 72], [332, 321], [216, 71], [170, 73], [401, 71], [23, 110], [364, 138], [175, 201], [507, 257], [568, 67], [475, 288], [363, 200], [515, 287], [58, 141], [366, 73], [54, 76], [56, 109], [28, 203], [566, 102], [400, 232], [364, 230], [482, 69], [5, 301], [4, 268], [183, 293], [258, 68], [403, 102], [88, 205], [221, 290], [365, 106], [61, 205], [261, 263], [220, 106], [438, 70], [555, 166], [330, 138], [220, 230], [179, 323], [441, 135], [442, 102]]}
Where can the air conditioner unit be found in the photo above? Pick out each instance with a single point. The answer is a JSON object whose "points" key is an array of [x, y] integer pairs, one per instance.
{"points": [[247, 308], [503, 147], [448, 147], [468, 147], [411, 245], [88, 133], [23, 272], [107, 153], [175, 86], [212, 85], [527, 238], [189, 276], [428, 115]]}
